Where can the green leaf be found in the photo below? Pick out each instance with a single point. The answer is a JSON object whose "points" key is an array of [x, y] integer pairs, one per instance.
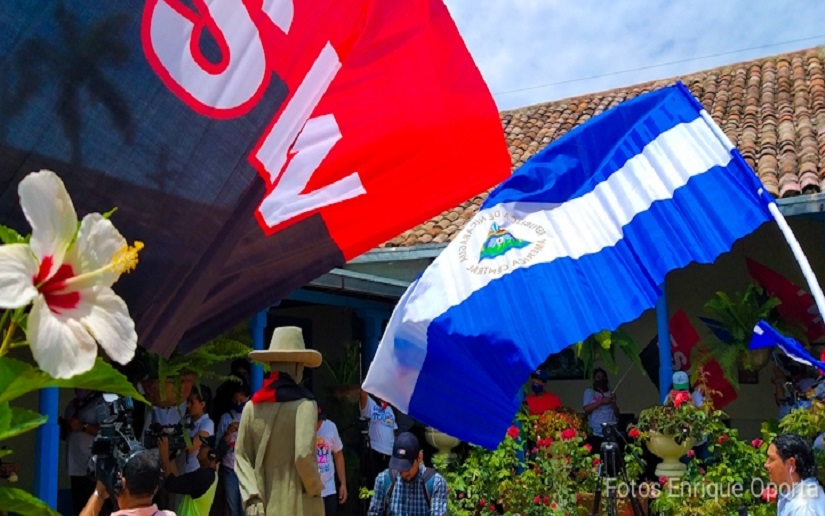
{"points": [[10, 236], [15, 420], [14, 500], [109, 213], [5, 451], [18, 378], [102, 377]]}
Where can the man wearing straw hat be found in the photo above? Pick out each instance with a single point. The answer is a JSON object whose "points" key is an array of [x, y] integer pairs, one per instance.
{"points": [[275, 448]]}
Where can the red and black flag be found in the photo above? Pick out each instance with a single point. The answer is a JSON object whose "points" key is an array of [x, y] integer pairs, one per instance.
{"points": [[253, 145]]}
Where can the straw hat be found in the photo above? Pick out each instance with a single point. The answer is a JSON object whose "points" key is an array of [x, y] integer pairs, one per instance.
{"points": [[287, 345]]}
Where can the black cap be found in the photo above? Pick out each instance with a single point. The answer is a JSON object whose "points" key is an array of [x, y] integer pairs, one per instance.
{"points": [[405, 451]]}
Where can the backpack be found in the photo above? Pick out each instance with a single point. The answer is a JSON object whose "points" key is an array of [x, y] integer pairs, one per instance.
{"points": [[429, 485]]}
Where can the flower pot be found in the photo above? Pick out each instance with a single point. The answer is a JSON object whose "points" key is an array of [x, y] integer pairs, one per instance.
{"points": [[665, 447], [346, 393], [755, 359], [442, 442], [171, 397]]}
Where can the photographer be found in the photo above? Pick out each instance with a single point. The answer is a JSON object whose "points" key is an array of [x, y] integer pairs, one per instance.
{"points": [[197, 487], [139, 481], [78, 428]]}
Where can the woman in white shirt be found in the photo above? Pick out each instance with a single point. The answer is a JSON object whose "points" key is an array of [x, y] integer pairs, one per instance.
{"points": [[198, 424]]}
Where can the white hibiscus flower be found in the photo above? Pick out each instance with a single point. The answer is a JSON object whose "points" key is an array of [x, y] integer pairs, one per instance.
{"points": [[67, 275]]}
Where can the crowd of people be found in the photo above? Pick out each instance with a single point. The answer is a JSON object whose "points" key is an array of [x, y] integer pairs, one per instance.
{"points": [[221, 470]]}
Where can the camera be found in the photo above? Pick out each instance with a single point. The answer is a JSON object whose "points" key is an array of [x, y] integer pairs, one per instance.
{"points": [[115, 442], [611, 454], [174, 433]]}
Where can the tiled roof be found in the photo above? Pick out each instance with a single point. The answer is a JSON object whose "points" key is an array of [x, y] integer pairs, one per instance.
{"points": [[773, 109]]}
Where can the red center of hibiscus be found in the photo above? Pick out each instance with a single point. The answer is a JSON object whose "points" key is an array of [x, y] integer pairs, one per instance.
{"points": [[51, 289]]}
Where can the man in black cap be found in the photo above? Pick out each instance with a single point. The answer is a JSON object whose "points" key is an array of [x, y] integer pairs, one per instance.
{"points": [[408, 487]]}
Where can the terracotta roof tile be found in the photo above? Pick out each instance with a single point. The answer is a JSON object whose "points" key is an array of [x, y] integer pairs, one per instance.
{"points": [[773, 109]]}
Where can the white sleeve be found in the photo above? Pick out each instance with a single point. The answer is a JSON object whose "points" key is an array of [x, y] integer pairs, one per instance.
{"points": [[588, 397], [208, 426], [223, 424], [337, 445], [367, 411]]}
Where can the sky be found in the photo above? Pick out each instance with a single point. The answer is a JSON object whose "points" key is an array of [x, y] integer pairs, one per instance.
{"points": [[533, 51]]}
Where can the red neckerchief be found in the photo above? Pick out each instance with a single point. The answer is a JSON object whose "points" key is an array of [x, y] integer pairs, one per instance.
{"points": [[280, 387]]}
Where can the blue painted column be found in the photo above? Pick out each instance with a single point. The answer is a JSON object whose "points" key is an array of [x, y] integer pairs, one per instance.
{"points": [[372, 336], [257, 326], [665, 358], [47, 448]]}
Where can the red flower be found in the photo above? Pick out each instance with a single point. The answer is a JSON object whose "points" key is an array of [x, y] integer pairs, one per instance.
{"points": [[634, 433], [756, 443], [723, 439], [553, 505], [680, 397], [769, 494], [702, 471], [568, 434], [546, 500], [482, 502], [596, 461], [492, 507], [537, 499], [588, 447], [663, 480], [691, 454], [460, 495]]}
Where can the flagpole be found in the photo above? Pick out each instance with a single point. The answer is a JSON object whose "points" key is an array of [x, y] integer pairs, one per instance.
{"points": [[665, 360], [801, 259]]}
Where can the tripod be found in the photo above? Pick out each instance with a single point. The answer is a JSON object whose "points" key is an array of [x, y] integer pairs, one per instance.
{"points": [[611, 468]]}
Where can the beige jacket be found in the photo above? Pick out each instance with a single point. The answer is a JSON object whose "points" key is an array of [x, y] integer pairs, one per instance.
{"points": [[275, 458]]}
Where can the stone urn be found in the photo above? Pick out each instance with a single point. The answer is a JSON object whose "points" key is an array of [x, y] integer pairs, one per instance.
{"points": [[442, 442], [665, 447]]}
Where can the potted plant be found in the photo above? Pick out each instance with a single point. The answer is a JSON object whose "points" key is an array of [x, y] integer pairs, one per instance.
{"points": [[670, 430], [736, 317], [345, 372], [602, 346], [178, 373]]}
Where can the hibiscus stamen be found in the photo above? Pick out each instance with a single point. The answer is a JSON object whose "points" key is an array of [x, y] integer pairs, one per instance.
{"points": [[126, 258]]}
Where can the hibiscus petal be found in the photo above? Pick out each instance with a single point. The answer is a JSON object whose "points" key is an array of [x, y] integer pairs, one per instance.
{"points": [[17, 268], [97, 242], [52, 216], [61, 346], [109, 322]]}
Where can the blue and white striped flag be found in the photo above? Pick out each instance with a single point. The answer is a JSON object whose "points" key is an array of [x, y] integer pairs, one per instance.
{"points": [[576, 241], [766, 336]]}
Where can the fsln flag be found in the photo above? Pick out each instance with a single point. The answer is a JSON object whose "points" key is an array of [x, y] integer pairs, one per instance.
{"points": [[797, 304], [578, 240], [683, 338], [766, 336], [252, 146]]}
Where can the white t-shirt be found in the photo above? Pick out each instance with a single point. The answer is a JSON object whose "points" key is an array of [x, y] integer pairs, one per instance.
{"points": [[602, 414], [203, 424], [327, 442], [382, 426], [227, 418]]}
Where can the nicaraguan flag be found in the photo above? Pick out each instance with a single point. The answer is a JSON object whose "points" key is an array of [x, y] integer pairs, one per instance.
{"points": [[576, 241], [766, 336]]}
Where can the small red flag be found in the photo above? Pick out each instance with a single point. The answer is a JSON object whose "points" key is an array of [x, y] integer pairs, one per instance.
{"points": [[797, 304]]}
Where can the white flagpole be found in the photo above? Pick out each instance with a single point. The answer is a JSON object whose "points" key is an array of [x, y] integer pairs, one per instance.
{"points": [[801, 259]]}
